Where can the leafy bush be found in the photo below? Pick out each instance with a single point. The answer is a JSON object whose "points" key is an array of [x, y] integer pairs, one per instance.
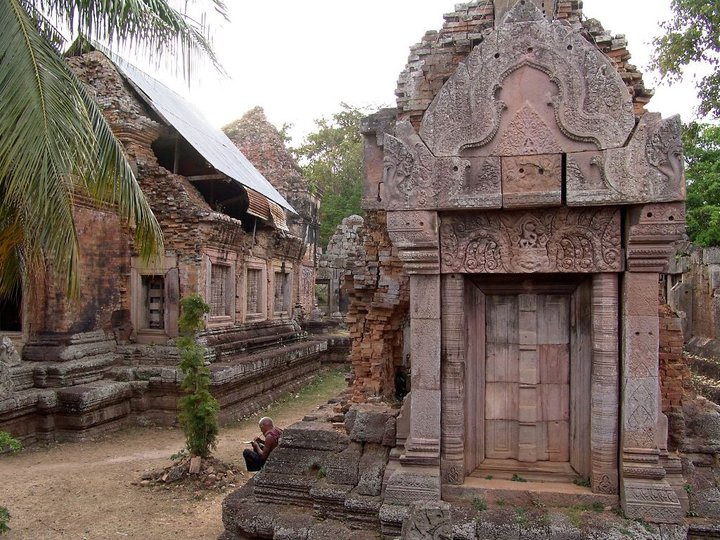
{"points": [[4, 518], [8, 443], [198, 408]]}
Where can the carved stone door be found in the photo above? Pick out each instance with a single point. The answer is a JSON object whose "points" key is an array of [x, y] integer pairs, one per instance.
{"points": [[527, 377]]}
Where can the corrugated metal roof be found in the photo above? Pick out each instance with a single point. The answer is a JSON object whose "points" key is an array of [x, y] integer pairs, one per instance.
{"points": [[209, 141]]}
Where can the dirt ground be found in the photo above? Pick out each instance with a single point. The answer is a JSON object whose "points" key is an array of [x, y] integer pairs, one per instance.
{"points": [[85, 491]]}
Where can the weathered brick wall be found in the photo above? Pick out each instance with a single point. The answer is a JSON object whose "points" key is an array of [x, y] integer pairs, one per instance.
{"points": [[435, 58], [263, 145], [674, 373], [379, 292], [103, 270]]}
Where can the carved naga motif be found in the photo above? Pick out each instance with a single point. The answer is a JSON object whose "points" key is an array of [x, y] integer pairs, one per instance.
{"points": [[588, 99], [648, 169], [415, 179], [563, 240]]}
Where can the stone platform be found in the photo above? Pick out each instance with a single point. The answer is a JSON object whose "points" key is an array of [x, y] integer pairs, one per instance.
{"points": [[90, 385]]}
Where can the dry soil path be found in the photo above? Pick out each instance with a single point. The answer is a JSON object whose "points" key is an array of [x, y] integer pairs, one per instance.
{"points": [[84, 490]]}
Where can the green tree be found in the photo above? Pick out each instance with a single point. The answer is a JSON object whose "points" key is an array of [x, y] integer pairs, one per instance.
{"points": [[692, 35], [54, 142], [331, 157], [701, 144], [198, 408]]}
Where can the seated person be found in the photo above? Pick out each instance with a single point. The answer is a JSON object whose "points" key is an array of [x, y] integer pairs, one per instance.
{"points": [[256, 458]]}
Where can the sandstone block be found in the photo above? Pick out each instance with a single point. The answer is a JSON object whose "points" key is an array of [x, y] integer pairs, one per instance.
{"points": [[368, 422]]}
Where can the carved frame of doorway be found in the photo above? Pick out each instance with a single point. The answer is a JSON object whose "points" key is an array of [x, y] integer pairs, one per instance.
{"points": [[595, 299]]}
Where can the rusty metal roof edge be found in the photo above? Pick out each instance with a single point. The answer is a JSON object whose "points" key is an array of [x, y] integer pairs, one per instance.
{"points": [[209, 141]]}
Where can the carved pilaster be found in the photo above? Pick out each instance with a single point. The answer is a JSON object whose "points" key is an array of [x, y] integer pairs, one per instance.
{"points": [[423, 445], [415, 234], [605, 384], [452, 462], [644, 491]]}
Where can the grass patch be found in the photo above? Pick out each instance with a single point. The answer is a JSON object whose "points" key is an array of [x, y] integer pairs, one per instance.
{"points": [[575, 512], [517, 478], [325, 385], [479, 504], [521, 516], [585, 482]]}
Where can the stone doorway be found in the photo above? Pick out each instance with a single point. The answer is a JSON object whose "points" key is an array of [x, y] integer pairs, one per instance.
{"points": [[528, 381]]}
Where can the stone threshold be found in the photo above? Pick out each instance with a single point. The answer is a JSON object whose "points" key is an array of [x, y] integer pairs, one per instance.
{"points": [[552, 494]]}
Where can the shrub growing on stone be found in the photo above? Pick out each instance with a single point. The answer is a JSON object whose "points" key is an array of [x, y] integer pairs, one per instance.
{"points": [[198, 408]]}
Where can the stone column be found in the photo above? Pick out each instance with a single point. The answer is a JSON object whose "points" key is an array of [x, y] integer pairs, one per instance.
{"points": [[454, 342], [644, 491], [415, 234], [423, 445], [604, 404]]}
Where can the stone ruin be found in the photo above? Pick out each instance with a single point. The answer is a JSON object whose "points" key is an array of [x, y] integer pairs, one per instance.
{"points": [[109, 358], [341, 259], [521, 207]]}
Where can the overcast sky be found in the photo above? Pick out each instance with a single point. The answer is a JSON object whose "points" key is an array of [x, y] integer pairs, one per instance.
{"points": [[299, 59]]}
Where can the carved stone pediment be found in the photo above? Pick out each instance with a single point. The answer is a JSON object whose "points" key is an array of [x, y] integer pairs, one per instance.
{"points": [[517, 242], [415, 179], [648, 169], [531, 86]]}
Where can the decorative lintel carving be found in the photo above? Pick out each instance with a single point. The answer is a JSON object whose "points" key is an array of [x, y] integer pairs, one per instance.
{"points": [[562, 240]]}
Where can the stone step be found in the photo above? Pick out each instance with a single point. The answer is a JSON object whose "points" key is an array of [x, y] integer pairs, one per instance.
{"points": [[554, 494], [73, 372]]}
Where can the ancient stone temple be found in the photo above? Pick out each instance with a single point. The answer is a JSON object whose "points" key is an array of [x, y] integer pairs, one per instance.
{"points": [[109, 358], [533, 203]]}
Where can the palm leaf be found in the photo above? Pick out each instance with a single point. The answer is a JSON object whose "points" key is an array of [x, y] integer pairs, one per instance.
{"points": [[53, 142], [151, 25]]}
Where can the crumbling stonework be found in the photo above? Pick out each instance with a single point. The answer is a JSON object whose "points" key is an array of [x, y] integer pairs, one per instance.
{"points": [[344, 256], [331, 464], [109, 358], [436, 57], [377, 314], [264, 146], [691, 288]]}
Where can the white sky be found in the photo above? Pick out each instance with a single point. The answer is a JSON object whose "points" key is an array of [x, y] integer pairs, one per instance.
{"points": [[299, 59]]}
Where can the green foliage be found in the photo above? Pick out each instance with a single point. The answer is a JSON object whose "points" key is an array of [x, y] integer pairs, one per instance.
{"points": [[692, 35], [331, 157], [198, 408], [8, 443], [701, 144], [517, 478], [585, 482], [521, 517], [479, 504], [54, 140], [4, 518]]}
